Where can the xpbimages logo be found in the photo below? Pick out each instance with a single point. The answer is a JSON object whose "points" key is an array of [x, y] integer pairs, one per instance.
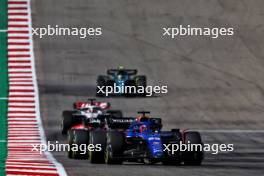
{"points": [[147, 90], [188, 30], [51, 147], [81, 32], [211, 148]]}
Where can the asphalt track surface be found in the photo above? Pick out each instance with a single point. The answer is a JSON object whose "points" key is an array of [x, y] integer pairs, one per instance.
{"points": [[213, 84]]}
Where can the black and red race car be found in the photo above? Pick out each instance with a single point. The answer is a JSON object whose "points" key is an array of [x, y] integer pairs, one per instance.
{"points": [[72, 119]]}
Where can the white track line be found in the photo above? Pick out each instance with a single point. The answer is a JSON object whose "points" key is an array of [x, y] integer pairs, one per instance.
{"points": [[60, 168], [24, 123]]}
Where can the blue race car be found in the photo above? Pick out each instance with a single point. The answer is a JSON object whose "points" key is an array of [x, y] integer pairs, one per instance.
{"points": [[141, 140], [120, 78], [137, 140]]}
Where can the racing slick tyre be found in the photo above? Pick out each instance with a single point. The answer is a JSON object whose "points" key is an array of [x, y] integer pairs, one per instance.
{"points": [[171, 162], [114, 147], [70, 141], [130, 92], [193, 158], [101, 82], [150, 161], [66, 121], [141, 81], [79, 137], [177, 134], [173, 158], [175, 130], [115, 113], [97, 137]]}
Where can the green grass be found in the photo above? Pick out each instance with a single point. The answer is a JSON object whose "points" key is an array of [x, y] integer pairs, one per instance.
{"points": [[3, 14], [3, 86]]}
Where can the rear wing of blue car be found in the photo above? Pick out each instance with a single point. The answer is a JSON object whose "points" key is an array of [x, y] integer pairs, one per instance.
{"points": [[120, 123], [125, 122]]}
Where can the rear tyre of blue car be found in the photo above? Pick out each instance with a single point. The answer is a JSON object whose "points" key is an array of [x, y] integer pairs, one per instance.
{"points": [[97, 137], [114, 147], [172, 161], [193, 158], [150, 161]]}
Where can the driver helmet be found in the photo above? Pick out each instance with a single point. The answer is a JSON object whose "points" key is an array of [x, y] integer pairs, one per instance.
{"points": [[120, 67], [143, 128], [121, 72], [142, 118], [119, 76]]}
